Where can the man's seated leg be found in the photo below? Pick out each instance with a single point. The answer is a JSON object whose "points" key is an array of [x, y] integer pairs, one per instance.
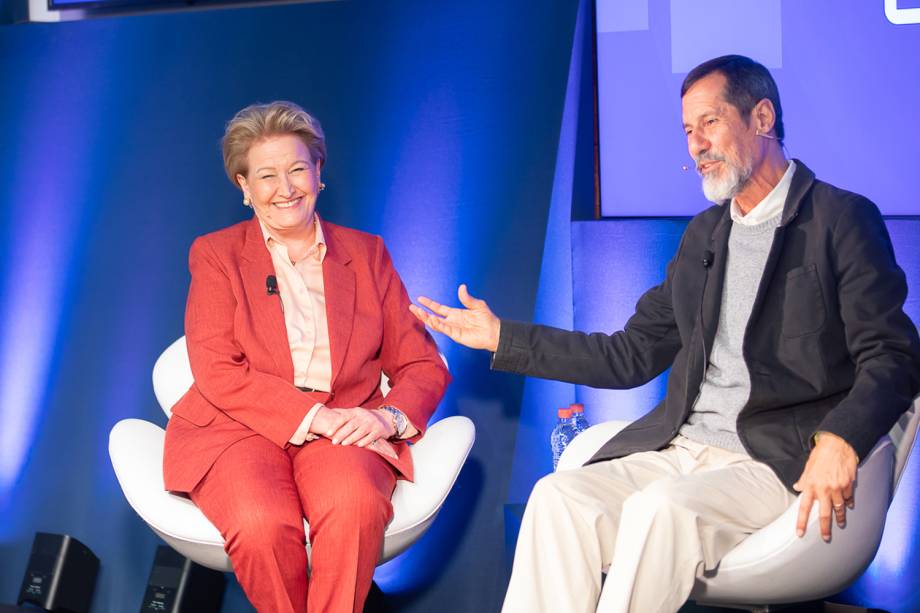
{"points": [[673, 529], [569, 528]]}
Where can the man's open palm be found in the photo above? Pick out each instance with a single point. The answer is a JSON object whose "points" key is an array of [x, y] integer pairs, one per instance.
{"points": [[474, 326]]}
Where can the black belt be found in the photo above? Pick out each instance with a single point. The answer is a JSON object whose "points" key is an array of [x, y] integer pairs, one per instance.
{"points": [[310, 389]]}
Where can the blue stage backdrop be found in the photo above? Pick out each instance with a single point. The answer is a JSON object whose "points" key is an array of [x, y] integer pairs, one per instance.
{"points": [[443, 122]]}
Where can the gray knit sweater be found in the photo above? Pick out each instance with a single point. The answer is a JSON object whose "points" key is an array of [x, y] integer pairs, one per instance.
{"points": [[727, 385]]}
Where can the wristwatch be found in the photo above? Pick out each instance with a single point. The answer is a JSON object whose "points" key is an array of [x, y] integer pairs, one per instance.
{"points": [[400, 421]]}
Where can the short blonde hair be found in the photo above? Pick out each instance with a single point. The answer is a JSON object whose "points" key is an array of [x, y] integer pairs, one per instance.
{"points": [[259, 121]]}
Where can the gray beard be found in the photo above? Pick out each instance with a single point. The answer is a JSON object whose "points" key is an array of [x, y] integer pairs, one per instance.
{"points": [[723, 190]]}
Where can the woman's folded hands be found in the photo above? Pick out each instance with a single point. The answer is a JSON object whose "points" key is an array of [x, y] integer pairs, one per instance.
{"points": [[355, 426]]}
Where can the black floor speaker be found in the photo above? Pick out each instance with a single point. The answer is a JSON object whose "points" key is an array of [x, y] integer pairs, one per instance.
{"points": [[61, 575], [178, 585]]}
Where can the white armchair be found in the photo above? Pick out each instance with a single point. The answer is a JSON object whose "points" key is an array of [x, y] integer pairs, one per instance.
{"points": [[773, 566], [136, 451]]}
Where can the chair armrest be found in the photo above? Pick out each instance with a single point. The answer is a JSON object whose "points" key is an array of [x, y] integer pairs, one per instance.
{"points": [[172, 375], [587, 444], [775, 566], [902, 436], [136, 451], [437, 459]]}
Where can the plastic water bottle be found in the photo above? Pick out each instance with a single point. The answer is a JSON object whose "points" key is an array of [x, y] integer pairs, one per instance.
{"points": [[578, 415], [562, 434]]}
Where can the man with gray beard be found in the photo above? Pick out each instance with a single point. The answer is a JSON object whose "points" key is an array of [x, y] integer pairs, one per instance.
{"points": [[781, 318]]}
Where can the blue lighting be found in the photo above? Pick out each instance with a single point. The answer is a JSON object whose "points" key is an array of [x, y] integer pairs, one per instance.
{"points": [[554, 304], [46, 203]]}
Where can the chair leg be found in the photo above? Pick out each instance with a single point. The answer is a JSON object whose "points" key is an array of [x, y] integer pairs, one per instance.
{"points": [[692, 607], [816, 606], [820, 606], [830, 607]]}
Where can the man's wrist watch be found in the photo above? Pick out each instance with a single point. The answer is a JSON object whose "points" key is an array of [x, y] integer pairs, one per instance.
{"points": [[400, 421]]}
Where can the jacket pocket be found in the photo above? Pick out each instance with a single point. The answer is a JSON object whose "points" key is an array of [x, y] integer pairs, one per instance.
{"points": [[195, 409], [803, 302]]}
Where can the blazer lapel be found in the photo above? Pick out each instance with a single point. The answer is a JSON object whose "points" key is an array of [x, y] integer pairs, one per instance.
{"points": [[707, 316], [712, 295], [802, 181], [266, 310], [339, 287]]}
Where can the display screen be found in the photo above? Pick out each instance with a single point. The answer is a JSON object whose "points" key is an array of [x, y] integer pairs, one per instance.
{"points": [[104, 4], [849, 81]]}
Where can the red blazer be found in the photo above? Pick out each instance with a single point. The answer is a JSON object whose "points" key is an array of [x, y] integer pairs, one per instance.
{"points": [[241, 360]]}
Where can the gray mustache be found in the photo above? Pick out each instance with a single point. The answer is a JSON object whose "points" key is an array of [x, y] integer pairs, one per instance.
{"points": [[707, 157]]}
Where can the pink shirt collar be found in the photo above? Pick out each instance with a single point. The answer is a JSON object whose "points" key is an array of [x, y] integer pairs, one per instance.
{"points": [[319, 239]]}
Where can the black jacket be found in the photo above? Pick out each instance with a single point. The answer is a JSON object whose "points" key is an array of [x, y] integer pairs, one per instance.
{"points": [[828, 345]]}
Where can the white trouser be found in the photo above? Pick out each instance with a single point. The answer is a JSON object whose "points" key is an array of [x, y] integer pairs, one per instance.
{"points": [[656, 519]]}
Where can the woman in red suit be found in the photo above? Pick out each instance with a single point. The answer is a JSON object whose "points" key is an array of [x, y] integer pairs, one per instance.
{"points": [[290, 321]]}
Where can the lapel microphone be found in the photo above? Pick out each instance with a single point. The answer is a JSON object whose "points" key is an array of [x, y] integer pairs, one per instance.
{"points": [[271, 285], [708, 257]]}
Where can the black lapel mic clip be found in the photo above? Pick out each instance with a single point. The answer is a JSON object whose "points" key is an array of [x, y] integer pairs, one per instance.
{"points": [[271, 285], [708, 257]]}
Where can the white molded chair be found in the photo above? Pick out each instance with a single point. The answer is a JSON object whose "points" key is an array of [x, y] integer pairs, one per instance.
{"points": [[773, 566], [136, 450]]}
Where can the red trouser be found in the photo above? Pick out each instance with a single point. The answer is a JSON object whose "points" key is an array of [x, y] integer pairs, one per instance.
{"points": [[257, 495]]}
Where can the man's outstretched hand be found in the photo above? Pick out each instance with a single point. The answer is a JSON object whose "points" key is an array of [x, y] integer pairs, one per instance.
{"points": [[474, 326], [827, 480]]}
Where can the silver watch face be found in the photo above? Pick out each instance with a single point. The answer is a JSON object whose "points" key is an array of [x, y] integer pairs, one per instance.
{"points": [[399, 419], [401, 423]]}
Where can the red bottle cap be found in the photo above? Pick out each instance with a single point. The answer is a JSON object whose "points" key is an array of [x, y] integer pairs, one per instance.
{"points": [[577, 407], [564, 413]]}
